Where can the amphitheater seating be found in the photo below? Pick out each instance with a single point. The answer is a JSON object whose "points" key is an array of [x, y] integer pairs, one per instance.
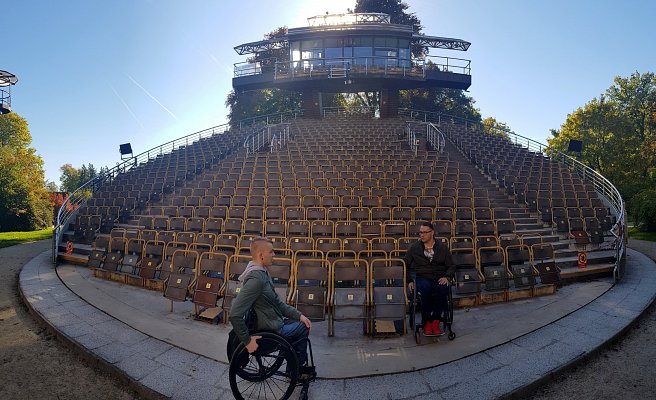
{"points": [[341, 190]]}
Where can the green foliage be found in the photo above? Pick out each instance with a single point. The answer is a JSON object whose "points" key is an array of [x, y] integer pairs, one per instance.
{"points": [[261, 102], [453, 102], [618, 131], [268, 59], [493, 127], [24, 202], [51, 186], [634, 233], [643, 209], [72, 178], [11, 238]]}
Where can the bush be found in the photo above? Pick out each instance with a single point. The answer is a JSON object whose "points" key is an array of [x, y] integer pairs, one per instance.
{"points": [[643, 209]]}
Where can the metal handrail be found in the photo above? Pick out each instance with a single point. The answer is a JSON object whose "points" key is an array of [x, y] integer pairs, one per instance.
{"points": [[394, 66], [275, 136], [78, 198], [601, 184], [434, 135]]}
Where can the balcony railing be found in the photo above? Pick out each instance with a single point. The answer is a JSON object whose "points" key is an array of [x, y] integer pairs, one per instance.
{"points": [[344, 67]]}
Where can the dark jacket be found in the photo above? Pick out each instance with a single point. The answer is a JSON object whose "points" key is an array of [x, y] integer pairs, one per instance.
{"points": [[258, 292], [418, 264]]}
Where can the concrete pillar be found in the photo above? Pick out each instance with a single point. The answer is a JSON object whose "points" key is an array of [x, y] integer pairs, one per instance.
{"points": [[389, 103], [311, 103]]}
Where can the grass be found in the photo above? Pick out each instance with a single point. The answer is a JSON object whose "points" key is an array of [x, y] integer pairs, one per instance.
{"points": [[11, 238], [636, 234]]}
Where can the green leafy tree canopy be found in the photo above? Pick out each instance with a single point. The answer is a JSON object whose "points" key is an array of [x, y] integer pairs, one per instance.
{"points": [[618, 131], [24, 201]]}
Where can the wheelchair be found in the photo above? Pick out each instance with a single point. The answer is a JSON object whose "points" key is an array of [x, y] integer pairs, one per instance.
{"points": [[270, 372], [446, 318]]}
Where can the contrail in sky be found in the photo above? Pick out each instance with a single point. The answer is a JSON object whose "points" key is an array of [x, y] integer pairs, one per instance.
{"points": [[126, 106], [152, 97]]}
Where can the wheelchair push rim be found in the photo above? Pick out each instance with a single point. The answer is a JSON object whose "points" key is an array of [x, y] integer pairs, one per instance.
{"points": [[271, 372]]}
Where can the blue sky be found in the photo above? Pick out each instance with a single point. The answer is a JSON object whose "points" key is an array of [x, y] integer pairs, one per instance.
{"points": [[94, 74]]}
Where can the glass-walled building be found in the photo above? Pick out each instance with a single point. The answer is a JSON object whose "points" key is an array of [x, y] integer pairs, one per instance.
{"points": [[354, 52]]}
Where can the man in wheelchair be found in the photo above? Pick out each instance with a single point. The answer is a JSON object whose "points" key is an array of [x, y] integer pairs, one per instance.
{"points": [[274, 315], [431, 272]]}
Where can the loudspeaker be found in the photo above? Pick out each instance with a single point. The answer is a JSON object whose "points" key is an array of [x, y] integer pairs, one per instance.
{"points": [[575, 146], [125, 148]]}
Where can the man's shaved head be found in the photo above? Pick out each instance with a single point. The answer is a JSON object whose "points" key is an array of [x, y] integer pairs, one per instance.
{"points": [[260, 245]]}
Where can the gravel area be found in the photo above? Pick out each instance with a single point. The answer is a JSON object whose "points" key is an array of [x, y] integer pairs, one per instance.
{"points": [[33, 363]]}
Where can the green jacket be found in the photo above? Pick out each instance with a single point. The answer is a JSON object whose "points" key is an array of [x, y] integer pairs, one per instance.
{"points": [[258, 292]]}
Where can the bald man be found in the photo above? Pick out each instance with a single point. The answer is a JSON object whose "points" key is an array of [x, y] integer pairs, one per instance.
{"points": [[272, 313]]}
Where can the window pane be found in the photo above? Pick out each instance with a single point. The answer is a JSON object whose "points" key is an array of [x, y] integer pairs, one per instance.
{"points": [[333, 52], [360, 54], [311, 44]]}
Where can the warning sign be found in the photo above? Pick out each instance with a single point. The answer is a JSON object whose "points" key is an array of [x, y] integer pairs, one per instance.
{"points": [[583, 259]]}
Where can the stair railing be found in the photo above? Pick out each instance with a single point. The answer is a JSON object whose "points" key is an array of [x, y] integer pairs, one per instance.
{"points": [[609, 193], [79, 196]]}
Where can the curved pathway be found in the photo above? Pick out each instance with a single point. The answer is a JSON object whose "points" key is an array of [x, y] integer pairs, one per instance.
{"points": [[513, 368]]}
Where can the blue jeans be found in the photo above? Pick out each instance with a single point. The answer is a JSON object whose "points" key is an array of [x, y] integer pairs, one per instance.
{"points": [[296, 334], [433, 299]]}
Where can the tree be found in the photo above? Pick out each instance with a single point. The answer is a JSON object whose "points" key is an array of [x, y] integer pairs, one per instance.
{"points": [[51, 186], [24, 202], [261, 102], [493, 127], [618, 131], [72, 178], [450, 102], [58, 200]]}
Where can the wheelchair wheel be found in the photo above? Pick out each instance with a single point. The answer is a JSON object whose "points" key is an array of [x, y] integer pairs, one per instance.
{"points": [[271, 372]]}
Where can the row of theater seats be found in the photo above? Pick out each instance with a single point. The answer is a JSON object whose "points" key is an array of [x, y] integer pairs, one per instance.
{"points": [[326, 228], [391, 245], [527, 175], [332, 197], [169, 169], [338, 285], [358, 214]]}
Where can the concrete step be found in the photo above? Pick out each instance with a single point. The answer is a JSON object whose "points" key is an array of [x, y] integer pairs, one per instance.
{"points": [[529, 227], [78, 248], [74, 258], [594, 258], [573, 273], [527, 220]]}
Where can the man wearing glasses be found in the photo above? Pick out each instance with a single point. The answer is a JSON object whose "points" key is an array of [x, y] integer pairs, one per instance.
{"points": [[431, 271]]}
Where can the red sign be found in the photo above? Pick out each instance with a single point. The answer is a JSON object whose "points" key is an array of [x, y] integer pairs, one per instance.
{"points": [[583, 259], [69, 247]]}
